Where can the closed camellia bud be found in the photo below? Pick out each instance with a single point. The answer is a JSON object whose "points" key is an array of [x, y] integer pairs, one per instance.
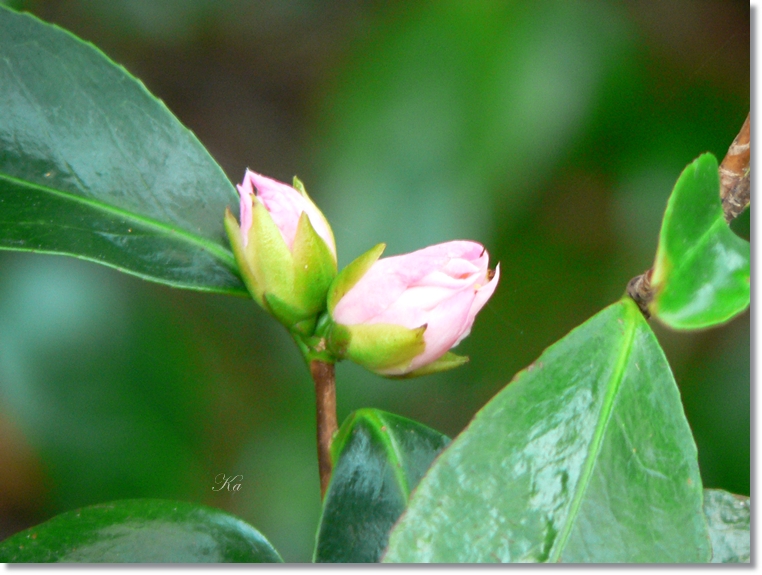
{"points": [[284, 248], [400, 316]]}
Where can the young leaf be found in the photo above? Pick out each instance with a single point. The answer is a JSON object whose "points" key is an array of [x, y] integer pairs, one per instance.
{"points": [[701, 274], [728, 517], [140, 531], [585, 457], [379, 458], [93, 166]]}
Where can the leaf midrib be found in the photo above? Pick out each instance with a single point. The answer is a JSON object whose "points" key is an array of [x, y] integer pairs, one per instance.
{"points": [[700, 242], [392, 449], [215, 249], [600, 429]]}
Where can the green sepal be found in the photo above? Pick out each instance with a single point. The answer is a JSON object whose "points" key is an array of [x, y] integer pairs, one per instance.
{"points": [[377, 347], [233, 229], [448, 361], [311, 336], [313, 348], [294, 318], [304, 326], [269, 256], [299, 187], [290, 284], [351, 274], [314, 266]]}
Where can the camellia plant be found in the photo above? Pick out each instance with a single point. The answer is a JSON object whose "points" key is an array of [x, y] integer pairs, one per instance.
{"points": [[585, 456]]}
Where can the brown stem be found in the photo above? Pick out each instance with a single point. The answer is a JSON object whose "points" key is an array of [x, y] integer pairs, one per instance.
{"points": [[734, 174], [639, 289], [324, 375]]}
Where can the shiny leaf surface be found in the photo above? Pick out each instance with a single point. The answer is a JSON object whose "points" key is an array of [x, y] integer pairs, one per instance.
{"points": [[701, 275], [92, 165], [728, 517], [379, 458], [140, 531], [585, 456]]}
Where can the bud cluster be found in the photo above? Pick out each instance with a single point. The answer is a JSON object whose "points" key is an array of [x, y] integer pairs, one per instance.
{"points": [[397, 316]]}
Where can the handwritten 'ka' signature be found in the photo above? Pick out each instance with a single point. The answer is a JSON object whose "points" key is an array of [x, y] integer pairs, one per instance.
{"points": [[232, 483]]}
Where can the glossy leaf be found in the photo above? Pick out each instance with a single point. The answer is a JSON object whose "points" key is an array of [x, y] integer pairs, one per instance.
{"points": [[92, 165], [140, 531], [701, 275], [379, 458], [728, 517], [585, 456]]}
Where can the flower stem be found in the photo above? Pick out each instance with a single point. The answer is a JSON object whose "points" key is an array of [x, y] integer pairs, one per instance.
{"points": [[324, 375]]}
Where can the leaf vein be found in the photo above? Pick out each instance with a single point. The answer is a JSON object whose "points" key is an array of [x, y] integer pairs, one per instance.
{"points": [[597, 440], [217, 251]]}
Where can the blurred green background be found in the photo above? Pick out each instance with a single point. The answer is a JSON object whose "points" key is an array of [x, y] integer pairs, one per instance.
{"points": [[552, 132]]}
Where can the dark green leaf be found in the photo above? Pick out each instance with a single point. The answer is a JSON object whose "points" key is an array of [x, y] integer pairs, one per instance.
{"points": [[585, 457], [92, 165], [728, 517], [379, 459], [140, 531], [701, 274]]}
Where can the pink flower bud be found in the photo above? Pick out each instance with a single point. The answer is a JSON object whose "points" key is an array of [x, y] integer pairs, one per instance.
{"points": [[285, 205], [441, 287], [284, 249]]}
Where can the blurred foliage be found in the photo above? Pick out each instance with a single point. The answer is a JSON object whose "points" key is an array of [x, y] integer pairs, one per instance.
{"points": [[551, 131]]}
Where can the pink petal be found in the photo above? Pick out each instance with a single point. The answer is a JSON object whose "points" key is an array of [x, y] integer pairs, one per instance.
{"points": [[413, 307], [482, 295], [282, 201], [388, 279], [445, 324], [285, 205]]}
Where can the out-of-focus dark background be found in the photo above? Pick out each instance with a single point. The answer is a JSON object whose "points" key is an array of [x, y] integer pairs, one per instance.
{"points": [[550, 131]]}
